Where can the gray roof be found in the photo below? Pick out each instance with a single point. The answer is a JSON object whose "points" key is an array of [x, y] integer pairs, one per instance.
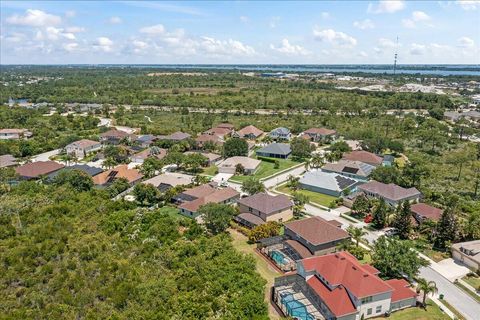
{"points": [[350, 167], [7, 161], [146, 138], [91, 171], [266, 203], [327, 180], [281, 130], [389, 191], [276, 148]]}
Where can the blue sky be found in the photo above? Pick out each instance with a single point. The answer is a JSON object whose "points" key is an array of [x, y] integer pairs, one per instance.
{"points": [[326, 32]]}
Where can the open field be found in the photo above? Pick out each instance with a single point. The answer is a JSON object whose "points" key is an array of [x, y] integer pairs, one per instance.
{"points": [[315, 197], [263, 268], [266, 169], [194, 90]]}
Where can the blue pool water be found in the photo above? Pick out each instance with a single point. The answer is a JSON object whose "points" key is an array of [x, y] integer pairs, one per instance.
{"points": [[295, 309], [278, 257]]}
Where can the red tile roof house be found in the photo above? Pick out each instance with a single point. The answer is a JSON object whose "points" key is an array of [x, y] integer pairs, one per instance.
{"points": [[122, 171], [14, 134], [423, 211], [320, 134], [391, 193], [114, 136], [220, 132], [36, 170], [156, 152], [176, 136], [249, 132], [192, 199], [260, 208], [303, 239], [338, 286], [202, 139], [364, 156], [83, 147]]}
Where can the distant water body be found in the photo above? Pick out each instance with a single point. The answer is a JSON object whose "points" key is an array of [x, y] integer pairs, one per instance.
{"points": [[439, 70]]}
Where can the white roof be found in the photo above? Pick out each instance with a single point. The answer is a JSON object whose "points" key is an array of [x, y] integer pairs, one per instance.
{"points": [[170, 178], [246, 162]]}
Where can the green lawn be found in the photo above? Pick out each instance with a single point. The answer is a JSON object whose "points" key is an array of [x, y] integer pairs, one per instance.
{"points": [[473, 281], [433, 312], [266, 169], [210, 171], [315, 197], [435, 255], [172, 212]]}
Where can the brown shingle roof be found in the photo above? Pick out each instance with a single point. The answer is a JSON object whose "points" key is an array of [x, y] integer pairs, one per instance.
{"points": [[317, 230], [363, 156], [266, 203], [389, 191], [217, 196], [36, 169], [121, 171], [207, 137], [426, 211], [113, 133], [250, 130], [84, 143], [320, 131]]}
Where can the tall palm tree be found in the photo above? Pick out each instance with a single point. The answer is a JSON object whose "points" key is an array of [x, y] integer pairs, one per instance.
{"points": [[426, 287], [317, 161], [356, 234]]}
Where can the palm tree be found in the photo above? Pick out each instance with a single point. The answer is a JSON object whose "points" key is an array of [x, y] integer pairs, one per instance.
{"points": [[109, 163], [293, 182], [356, 234], [317, 161], [427, 287]]}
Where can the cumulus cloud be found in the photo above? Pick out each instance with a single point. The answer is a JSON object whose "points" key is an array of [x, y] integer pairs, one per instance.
{"points": [[384, 44], [16, 37], [468, 4], [75, 29], [336, 38], [53, 34], [70, 47], [417, 49], [466, 42], [362, 54], [386, 6], [103, 44], [364, 24], [289, 49], [115, 20], [417, 17], [34, 18], [217, 47], [153, 30]]}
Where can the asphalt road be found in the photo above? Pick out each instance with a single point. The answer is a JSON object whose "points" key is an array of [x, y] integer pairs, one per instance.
{"points": [[464, 304]]}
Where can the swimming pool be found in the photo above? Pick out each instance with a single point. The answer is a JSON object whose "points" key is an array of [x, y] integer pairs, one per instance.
{"points": [[294, 308], [278, 257]]}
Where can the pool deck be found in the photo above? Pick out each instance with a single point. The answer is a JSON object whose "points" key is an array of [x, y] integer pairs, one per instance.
{"points": [[300, 297]]}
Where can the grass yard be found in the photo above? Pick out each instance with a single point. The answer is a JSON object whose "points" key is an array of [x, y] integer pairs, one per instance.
{"points": [[172, 212], [315, 197], [210, 171], [265, 270], [266, 169], [435, 255], [433, 312], [473, 281]]}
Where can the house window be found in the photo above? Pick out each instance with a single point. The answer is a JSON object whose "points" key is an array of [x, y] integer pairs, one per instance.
{"points": [[250, 210], [367, 299], [369, 311], [378, 309]]}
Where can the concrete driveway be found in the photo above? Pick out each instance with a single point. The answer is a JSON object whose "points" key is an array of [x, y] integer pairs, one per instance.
{"points": [[45, 156], [450, 269]]}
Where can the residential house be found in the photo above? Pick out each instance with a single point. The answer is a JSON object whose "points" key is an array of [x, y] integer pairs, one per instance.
{"points": [[88, 170], [192, 199], [14, 134], [338, 287], [229, 165], [169, 180], [212, 158], [154, 151], [114, 136], [122, 171], [209, 138], [320, 134], [228, 126], [35, 170], [249, 132], [281, 133], [275, 150], [176, 136], [352, 169], [363, 156], [329, 183], [82, 148], [262, 207], [7, 160], [467, 253], [146, 140], [219, 132], [391, 193], [423, 211]]}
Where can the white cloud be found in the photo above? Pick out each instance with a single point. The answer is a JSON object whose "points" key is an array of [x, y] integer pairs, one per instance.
{"points": [[364, 24], [53, 34], [386, 43], [244, 19], [289, 49], [153, 30], [16, 37], [336, 38], [70, 47], [466, 42], [362, 54], [417, 49], [274, 22], [215, 47], [417, 17], [386, 6], [75, 29], [115, 20], [469, 4], [70, 14], [103, 44], [325, 15], [34, 18]]}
